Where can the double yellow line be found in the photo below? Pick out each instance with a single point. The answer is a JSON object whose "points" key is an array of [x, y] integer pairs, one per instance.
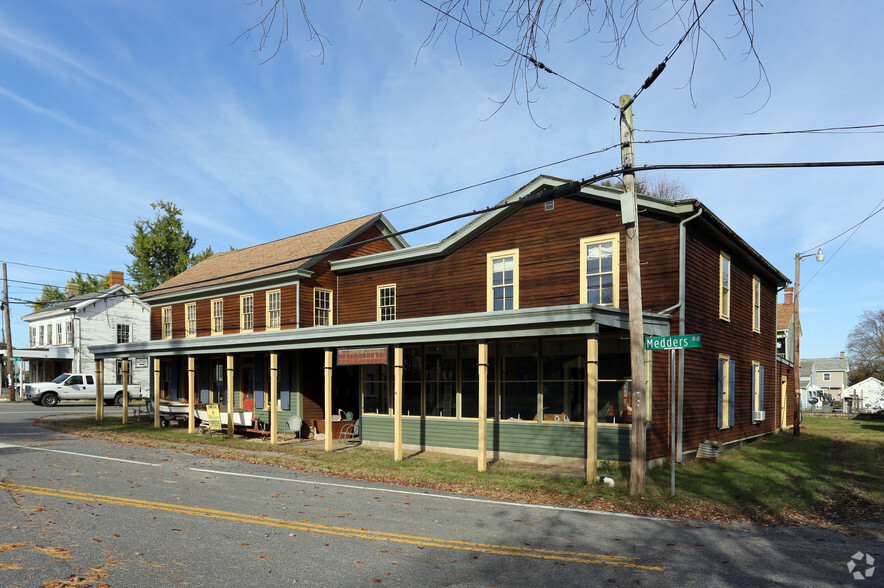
{"points": [[518, 551]]}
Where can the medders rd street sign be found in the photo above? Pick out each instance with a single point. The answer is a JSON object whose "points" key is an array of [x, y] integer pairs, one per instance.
{"points": [[672, 342]]}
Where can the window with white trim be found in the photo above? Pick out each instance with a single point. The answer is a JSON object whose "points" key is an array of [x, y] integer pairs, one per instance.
{"points": [[757, 389], [58, 334], [49, 335], [41, 335], [218, 316], [756, 304], [503, 280], [726, 391], [322, 307], [827, 377], [600, 270], [69, 332], [123, 334], [387, 302], [274, 310], [167, 322], [246, 313], [190, 319], [724, 278]]}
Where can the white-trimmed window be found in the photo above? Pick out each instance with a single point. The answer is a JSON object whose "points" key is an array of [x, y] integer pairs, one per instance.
{"points": [[724, 297], [756, 304], [503, 280], [42, 330], [322, 307], [726, 391], [387, 302], [246, 313], [600, 270], [218, 316], [59, 339], [167, 322], [49, 335], [123, 334], [757, 389], [190, 319], [827, 377], [69, 332], [33, 331], [274, 310]]}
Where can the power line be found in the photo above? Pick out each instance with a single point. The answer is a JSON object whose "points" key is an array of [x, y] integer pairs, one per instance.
{"points": [[538, 64], [709, 136]]}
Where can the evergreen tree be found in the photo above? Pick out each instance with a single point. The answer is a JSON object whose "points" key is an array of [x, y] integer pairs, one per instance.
{"points": [[160, 248], [86, 283]]}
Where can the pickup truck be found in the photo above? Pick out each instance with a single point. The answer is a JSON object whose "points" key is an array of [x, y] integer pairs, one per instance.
{"points": [[75, 387]]}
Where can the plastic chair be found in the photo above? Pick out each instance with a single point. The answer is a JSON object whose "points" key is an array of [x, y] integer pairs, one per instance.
{"points": [[351, 430], [293, 424]]}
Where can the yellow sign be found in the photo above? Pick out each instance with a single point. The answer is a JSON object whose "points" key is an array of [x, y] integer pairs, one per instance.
{"points": [[214, 415]]}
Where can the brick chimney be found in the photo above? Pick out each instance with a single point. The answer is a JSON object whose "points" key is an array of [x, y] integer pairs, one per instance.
{"points": [[71, 289], [842, 355], [787, 294], [115, 278]]}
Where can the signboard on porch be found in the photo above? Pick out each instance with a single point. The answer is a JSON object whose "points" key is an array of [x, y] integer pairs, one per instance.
{"points": [[362, 356], [214, 414]]}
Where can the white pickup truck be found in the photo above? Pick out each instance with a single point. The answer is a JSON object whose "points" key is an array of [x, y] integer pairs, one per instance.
{"points": [[75, 387]]}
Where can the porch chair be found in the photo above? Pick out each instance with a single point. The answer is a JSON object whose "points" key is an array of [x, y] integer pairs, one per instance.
{"points": [[293, 424], [351, 430]]}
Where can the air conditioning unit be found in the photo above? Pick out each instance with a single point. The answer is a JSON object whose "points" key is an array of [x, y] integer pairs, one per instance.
{"points": [[757, 415]]}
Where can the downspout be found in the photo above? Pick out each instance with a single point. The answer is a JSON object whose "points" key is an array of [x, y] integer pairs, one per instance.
{"points": [[297, 305], [682, 278]]}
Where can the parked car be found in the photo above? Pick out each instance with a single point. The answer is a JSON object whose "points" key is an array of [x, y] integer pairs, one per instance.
{"points": [[75, 387]]}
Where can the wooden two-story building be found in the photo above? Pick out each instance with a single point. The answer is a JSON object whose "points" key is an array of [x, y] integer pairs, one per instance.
{"points": [[507, 339]]}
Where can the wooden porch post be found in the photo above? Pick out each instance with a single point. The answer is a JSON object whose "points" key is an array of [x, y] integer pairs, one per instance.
{"points": [[156, 392], [483, 406], [191, 368], [398, 370], [125, 371], [230, 395], [99, 390], [592, 403], [274, 395], [328, 399]]}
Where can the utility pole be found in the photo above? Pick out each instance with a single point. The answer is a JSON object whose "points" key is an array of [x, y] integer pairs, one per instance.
{"points": [[629, 214], [8, 337]]}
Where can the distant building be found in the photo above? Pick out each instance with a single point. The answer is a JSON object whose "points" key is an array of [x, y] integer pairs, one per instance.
{"points": [[830, 374], [865, 396]]}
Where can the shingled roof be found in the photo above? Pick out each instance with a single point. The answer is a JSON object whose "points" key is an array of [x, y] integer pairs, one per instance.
{"points": [[288, 254]]}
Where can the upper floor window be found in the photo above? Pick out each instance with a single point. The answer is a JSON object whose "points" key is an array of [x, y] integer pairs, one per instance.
{"points": [[69, 332], [724, 298], [218, 316], [756, 304], [190, 319], [827, 377], [600, 270], [247, 313], [503, 280], [322, 307], [387, 302], [33, 331], [58, 334], [167, 322], [274, 309], [49, 335], [123, 334], [41, 335]]}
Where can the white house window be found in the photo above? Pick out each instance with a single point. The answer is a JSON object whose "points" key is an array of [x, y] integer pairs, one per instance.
{"points": [[49, 335], [827, 377], [69, 332], [58, 334], [41, 335], [123, 334]]}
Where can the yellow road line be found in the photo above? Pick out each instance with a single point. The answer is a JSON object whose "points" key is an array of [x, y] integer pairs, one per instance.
{"points": [[361, 533]]}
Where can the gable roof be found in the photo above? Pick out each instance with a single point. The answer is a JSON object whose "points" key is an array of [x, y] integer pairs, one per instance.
{"points": [[784, 316], [830, 364], [80, 301], [289, 255]]}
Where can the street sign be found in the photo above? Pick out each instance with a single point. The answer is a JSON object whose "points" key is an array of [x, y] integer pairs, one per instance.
{"points": [[16, 359], [672, 342]]}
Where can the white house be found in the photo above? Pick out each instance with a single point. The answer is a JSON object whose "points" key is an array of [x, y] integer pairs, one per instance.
{"points": [[865, 396], [61, 334]]}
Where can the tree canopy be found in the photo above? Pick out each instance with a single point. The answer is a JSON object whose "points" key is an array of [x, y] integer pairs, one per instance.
{"points": [[866, 346], [160, 248], [86, 283]]}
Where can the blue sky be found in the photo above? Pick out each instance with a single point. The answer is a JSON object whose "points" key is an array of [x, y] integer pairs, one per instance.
{"points": [[109, 105]]}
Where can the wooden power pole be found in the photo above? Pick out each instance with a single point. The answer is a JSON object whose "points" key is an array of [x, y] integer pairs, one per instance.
{"points": [[9, 373], [629, 213]]}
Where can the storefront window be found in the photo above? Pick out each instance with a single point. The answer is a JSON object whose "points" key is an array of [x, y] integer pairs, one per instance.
{"points": [[441, 380], [375, 390], [518, 374], [615, 380], [411, 381], [469, 385], [564, 379]]}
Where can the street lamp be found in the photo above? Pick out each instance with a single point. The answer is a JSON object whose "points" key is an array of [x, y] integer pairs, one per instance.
{"points": [[796, 340]]}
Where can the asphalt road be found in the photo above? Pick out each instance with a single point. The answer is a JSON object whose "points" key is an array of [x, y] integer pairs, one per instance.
{"points": [[80, 512]]}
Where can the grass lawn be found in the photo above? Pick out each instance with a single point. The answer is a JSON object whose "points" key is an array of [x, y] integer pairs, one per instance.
{"points": [[830, 474]]}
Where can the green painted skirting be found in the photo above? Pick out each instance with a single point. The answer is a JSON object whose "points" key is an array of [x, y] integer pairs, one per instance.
{"points": [[561, 440]]}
